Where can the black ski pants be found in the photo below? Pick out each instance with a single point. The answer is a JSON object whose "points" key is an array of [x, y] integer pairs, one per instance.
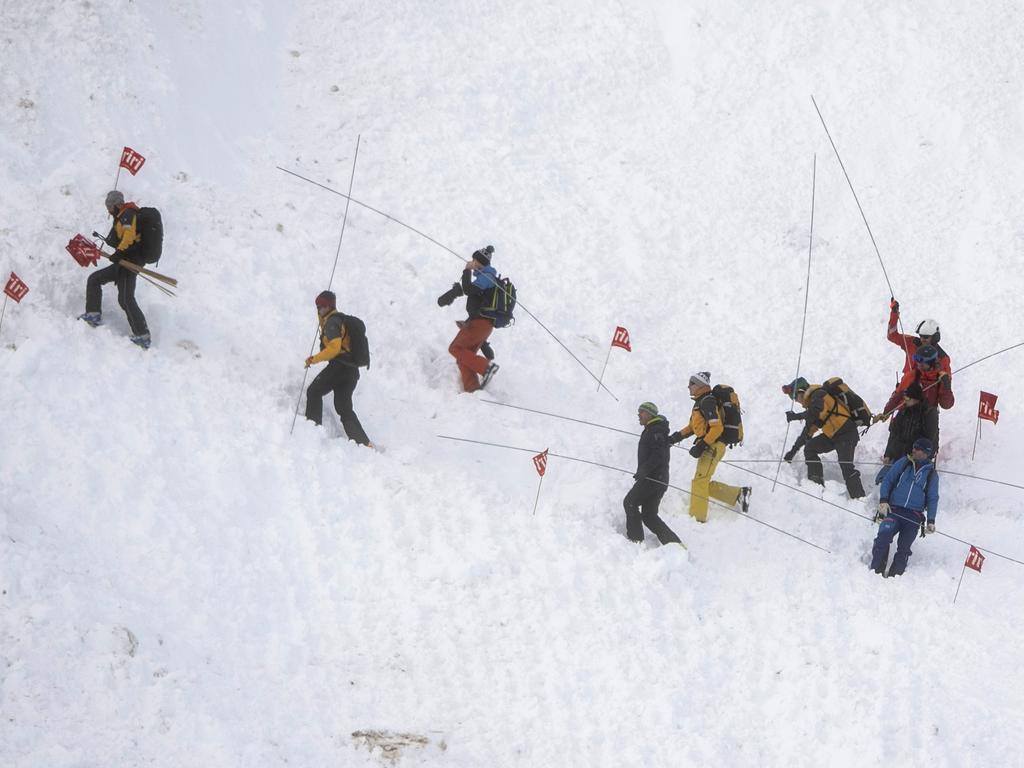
{"points": [[641, 504], [125, 280], [844, 443], [340, 379]]}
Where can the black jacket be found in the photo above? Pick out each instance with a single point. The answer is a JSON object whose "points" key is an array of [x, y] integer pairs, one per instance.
{"points": [[652, 453], [921, 420]]}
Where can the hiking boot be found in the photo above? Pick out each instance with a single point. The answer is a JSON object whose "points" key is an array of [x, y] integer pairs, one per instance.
{"points": [[141, 340], [745, 497], [92, 318], [492, 368]]}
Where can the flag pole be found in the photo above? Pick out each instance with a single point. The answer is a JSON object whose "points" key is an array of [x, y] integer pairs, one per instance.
{"points": [[977, 433], [963, 570], [2, 311], [606, 359], [118, 177], [537, 500]]}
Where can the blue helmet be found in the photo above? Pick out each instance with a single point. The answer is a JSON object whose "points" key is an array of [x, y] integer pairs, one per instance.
{"points": [[927, 355]]}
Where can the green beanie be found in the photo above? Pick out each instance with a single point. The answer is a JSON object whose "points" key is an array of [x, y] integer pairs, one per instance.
{"points": [[651, 408]]}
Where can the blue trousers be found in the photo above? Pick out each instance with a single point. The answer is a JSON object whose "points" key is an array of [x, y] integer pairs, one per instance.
{"points": [[900, 521]]}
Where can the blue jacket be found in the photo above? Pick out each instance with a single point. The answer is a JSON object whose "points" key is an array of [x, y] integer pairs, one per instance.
{"points": [[912, 485]]}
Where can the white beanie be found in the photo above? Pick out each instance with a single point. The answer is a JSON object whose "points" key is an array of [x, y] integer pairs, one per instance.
{"points": [[701, 379]]}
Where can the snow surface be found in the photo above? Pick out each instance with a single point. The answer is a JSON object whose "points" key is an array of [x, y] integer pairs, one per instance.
{"points": [[186, 583]]}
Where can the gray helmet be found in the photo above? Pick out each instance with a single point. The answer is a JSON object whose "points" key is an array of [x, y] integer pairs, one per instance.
{"points": [[114, 199]]}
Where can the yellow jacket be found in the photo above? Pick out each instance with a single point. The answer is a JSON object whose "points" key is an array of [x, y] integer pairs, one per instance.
{"points": [[705, 418], [334, 338], [824, 411]]}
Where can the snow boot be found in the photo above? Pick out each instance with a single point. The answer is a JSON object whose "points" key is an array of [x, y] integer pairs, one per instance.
{"points": [[141, 340], [92, 318], [492, 368]]}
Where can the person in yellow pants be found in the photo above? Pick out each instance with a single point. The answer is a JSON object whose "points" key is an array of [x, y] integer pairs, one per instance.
{"points": [[706, 424]]}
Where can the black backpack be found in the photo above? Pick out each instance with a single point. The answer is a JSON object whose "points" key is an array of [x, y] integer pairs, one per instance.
{"points": [[359, 347], [732, 414], [859, 411], [151, 230], [499, 303]]}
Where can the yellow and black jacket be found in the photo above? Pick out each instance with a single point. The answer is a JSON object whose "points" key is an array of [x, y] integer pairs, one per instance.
{"points": [[705, 418], [823, 412], [335, 342], [125, 236]]}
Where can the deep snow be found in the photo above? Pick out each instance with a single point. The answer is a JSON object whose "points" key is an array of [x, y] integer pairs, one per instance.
{"points": [[186, 583]]}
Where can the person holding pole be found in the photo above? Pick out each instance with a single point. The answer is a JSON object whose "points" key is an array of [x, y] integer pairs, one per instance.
{"points": [[478, 278], [909, 491], [915, 418], [928, 335], [707, 424], [344, 348], [652, 461], [126, 238]]}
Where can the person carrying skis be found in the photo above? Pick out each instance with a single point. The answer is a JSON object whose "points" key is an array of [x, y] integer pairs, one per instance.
{"points": [[915, 418], [909, 492], [478, 279], [652, 461], [838, 432], [126, 238], [927, 336], [708, 449], [341, 338]]}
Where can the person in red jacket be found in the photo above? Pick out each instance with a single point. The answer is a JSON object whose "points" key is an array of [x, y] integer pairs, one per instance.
{"points": [[936, 384], [927, 336]]}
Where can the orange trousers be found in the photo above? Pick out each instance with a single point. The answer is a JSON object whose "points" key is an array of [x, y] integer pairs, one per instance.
{"points": [[465, 348]]}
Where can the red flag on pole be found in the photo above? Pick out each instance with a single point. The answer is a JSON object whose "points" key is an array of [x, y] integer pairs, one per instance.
{"points": [[987, 407], [621, 339], [15, 288], [974, 559], [131, 160], [83, 250], [540, 462]]}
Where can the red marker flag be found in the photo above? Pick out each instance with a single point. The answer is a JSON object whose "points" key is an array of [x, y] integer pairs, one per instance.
{"points": [[83, 250], [131, 160], [974, 559], [15, 288], [540, 462], [987, 407], [621, 339]]}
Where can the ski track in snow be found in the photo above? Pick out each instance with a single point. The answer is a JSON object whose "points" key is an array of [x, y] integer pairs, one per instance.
{"points": [[186, 583]]}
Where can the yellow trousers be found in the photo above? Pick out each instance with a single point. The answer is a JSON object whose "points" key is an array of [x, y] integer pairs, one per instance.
{"points": [[703, 486]]}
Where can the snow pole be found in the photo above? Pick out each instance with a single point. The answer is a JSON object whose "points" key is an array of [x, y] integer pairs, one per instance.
{"points": [[337, 254], [540, 463], [963, 570], [803, 323], [977, 434], [3, 311], [745, 515], [604, 367], [439, 244]]}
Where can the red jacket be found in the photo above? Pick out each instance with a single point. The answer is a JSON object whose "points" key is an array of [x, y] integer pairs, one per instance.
{"points": [[934, 381], [910, 344]]}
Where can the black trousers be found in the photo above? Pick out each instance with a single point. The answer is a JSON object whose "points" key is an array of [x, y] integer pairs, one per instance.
{"points": [[641, 504], [125, 280], [844, 443], [341, 380]]}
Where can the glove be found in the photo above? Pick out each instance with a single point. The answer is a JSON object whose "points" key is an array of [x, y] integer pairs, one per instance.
{"points": [[309, 361], [698, 448], [446, 298], [793, 416], [790, 454], [116, 256], [883, 511], [675, 437], [880, 417], [930, 527], [894, 305]]}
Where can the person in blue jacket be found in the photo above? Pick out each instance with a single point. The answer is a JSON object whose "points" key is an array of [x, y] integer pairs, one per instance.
{"points": [[909, 492]]}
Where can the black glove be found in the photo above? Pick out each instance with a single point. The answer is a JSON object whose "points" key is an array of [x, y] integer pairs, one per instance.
{"points": [[446, 298], [790, 454], [116, 256], [675, 437], [894, 305], [793, 416], [698, 448]]}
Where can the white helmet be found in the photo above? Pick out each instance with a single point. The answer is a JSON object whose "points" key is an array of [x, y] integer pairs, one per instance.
{"points": [[928, 328]]}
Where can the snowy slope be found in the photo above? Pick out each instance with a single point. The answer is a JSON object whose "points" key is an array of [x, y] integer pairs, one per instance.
{"points": [[187, 583]]}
